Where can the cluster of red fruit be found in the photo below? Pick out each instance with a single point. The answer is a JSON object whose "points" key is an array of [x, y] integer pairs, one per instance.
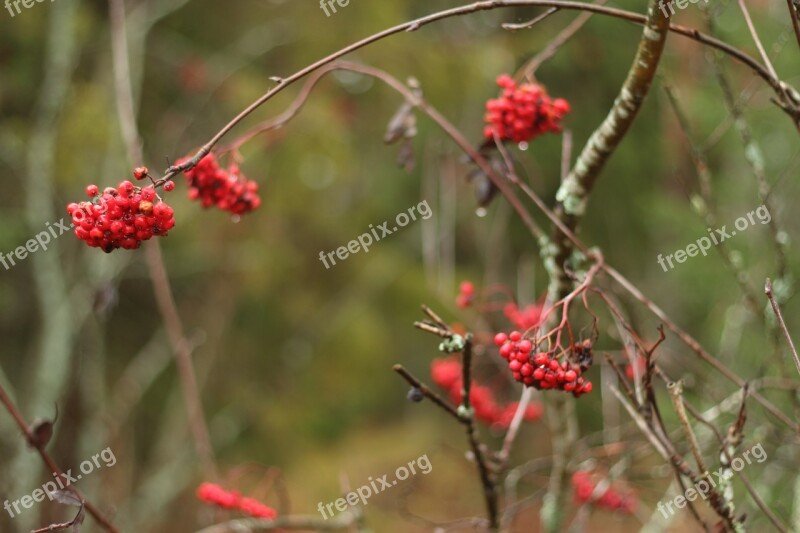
{"points": [[229, 189], [583, 486], [523, 319], [213, 494], [466, 294], [120, 218], [446, 373], [540, 370], [523, 113]]}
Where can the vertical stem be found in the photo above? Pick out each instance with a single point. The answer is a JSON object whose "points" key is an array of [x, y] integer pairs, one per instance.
{"points": [[489, 487], [572, 197], [158, 274]]}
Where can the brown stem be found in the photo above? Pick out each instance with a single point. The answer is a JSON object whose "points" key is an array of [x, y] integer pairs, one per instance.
{"points": [[778, 86], [464, 414], [777, 310], [489, 488], [572, 197], [158, 275], [676, 394], [51, 464], [183, 356], [695, 346], [427, 392], [780, 526], [794, 14]]}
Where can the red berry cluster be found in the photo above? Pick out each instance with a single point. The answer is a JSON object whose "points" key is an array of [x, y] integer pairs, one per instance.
{"points": [[523, 319], [613, 499], [523, 113], [466, 294], [213, 494], [120, 218], [446, 373], [229, 189], [540, 370]]}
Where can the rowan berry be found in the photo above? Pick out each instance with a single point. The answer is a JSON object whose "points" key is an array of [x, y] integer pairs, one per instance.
{"points": [[169, 186], [92, 191], [140, 173], [126, 188], [466, 293]]}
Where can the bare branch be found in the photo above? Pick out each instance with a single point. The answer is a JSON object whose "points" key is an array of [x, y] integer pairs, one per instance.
{"points": [[777, 310], [51, 464]]}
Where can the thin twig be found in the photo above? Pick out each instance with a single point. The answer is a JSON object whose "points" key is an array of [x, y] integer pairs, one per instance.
{"points": [[487, 480], [160, 281], [514, 426], [464, 414], [529, 68], [427, 392], [779, 525], [708, 211], [778, 86], [676, 395], [759, 44], [51, 464], [794, 14], [531, 23], [777, 310], [76, 521]]}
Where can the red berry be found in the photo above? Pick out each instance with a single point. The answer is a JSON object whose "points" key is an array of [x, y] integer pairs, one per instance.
{"points": [[467, 288], [505, 81], [92, 191], [126, 188], [140, 173], [515, 336], [499, 339], [169, 186], [505, 350]]}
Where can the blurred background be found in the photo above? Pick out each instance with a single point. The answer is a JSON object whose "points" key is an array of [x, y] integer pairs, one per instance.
{"points": [[294, 361]]}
